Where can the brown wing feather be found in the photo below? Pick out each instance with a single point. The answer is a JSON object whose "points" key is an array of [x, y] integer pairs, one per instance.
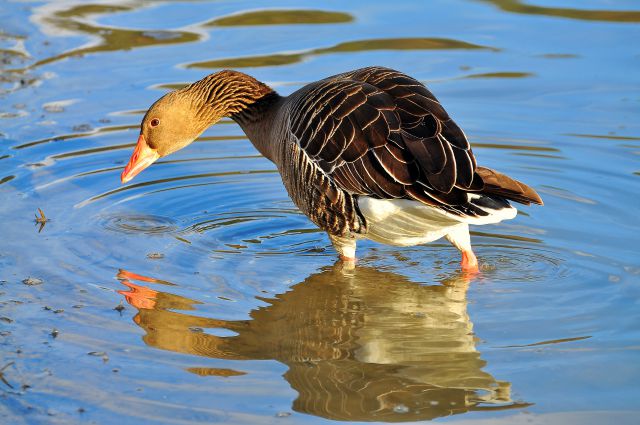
{"points": [[381, 133]]}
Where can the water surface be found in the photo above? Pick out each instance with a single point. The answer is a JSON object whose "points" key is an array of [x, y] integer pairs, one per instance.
{"points": [[197, 293]]}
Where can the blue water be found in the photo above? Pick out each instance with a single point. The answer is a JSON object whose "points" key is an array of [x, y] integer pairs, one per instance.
{"points": [[228, 305]]}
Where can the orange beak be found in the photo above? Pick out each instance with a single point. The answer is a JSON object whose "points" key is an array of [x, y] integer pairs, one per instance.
{"points": [[142, 157]]}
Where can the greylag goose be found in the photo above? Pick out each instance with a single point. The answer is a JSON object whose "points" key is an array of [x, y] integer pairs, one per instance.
{"points": [[369, 153]]}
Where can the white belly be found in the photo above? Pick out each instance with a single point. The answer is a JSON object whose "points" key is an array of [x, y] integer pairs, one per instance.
{"points": [[404, 222]]}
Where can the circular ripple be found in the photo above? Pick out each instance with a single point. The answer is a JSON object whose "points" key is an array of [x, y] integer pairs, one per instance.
{"points": [[270, 231], [139, 223], [523, 265]]}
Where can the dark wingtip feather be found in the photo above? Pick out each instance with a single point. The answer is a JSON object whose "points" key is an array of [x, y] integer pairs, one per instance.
{"points": [[500, 184]]}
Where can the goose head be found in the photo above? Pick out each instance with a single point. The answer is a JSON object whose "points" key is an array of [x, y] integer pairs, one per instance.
{"points": [[177, 119]]}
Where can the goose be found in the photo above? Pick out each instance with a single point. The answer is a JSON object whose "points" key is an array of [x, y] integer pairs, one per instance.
{"points": [[369, 153]]}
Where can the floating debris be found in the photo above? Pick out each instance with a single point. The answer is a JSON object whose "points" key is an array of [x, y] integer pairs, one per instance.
{"points": [[42, 220], [6, 319], [119, 308], [56, 311], [155, 256], [54, 333], [32, 281], [103, 354]]}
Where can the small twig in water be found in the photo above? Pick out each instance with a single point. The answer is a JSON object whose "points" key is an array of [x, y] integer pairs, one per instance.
{"points": [[42, 220], [2, 378]]}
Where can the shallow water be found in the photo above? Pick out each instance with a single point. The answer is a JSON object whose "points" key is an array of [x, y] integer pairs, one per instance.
{"points": [[199, 294]]}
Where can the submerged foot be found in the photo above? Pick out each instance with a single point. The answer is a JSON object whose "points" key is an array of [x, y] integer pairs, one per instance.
{"points": [[469, 262], [347, 259]]}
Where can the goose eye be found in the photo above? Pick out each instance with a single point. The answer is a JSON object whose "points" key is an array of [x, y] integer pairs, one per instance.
{"points": [[154, 122]]}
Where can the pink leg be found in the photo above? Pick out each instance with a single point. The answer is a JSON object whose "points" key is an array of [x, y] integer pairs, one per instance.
{"points": [[345, 246], [469, 262], [459, 237]]}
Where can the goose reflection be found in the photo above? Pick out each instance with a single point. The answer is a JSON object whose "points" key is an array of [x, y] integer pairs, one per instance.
{"points": [[360, 344]]}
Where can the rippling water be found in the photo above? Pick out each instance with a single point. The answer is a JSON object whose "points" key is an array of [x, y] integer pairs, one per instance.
{"points": [[199, 294]]}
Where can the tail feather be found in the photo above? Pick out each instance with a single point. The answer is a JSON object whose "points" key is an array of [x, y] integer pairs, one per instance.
{"points": [[499, 184]]}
